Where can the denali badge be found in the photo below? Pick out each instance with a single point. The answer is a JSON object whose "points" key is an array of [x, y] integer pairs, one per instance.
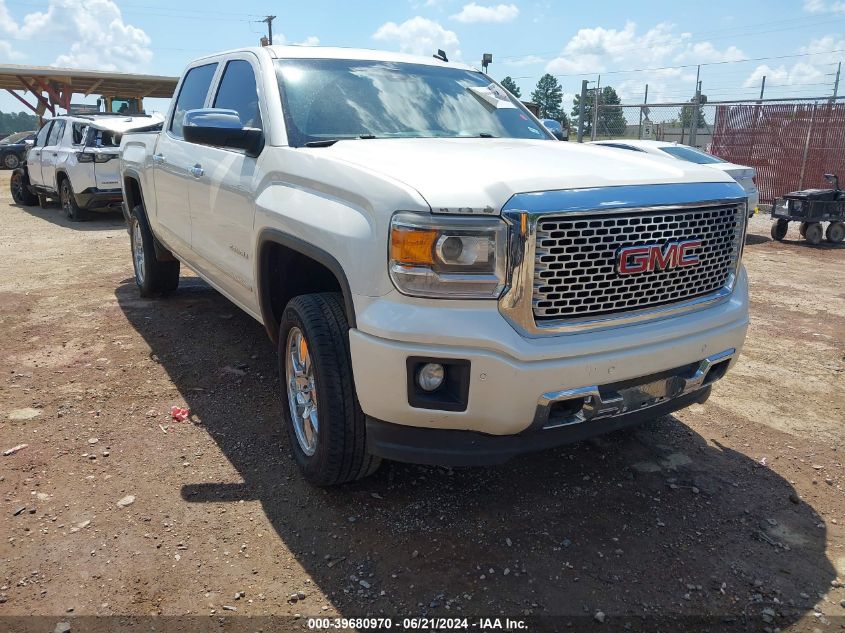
{"points": [[641, 259]]}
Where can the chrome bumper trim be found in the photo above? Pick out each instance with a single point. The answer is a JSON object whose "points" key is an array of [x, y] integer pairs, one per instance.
{"points": [[597, 405]]}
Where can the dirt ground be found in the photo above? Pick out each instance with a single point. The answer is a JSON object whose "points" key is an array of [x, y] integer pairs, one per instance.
{"points": [[730, 513]]}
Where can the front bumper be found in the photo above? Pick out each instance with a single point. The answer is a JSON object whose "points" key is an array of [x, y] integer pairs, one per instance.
{"points": [[508, 373], [445, 447]]}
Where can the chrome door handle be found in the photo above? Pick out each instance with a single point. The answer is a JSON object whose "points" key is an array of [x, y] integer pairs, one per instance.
{"points": [[197, 171], [158, 158]]}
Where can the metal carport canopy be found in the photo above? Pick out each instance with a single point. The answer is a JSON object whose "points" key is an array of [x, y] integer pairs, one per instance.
{"points": [[60, 84]]}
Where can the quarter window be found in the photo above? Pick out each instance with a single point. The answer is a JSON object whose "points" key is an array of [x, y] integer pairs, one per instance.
{"points": [[238, 92], [79, 130], [192, 94]]}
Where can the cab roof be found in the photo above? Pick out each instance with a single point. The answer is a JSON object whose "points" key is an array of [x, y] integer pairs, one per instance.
{"points": [[338, 52]]}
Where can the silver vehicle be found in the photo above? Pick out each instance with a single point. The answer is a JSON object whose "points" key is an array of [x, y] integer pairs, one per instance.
{"points": [[74, 160]]}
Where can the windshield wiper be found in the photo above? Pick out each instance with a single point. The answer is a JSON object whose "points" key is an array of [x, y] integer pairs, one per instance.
{"points": [[328, 142], [324, 143], [486, 135]]}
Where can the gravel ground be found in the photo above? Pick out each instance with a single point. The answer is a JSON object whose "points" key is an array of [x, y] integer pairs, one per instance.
{"points": [[732, 510]]}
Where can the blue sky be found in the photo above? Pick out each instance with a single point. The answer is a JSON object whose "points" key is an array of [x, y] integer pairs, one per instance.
{"points": [[526, 37]]}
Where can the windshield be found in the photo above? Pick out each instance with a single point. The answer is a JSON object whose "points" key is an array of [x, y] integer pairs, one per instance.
{"points": [[330, 99], [691, 155], [17, 137]]}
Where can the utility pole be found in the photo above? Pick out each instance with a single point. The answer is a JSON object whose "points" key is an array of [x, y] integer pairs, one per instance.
{"points": [[762, 87], [594, 131], [581, 104], [836, 83], [269, 20], [696, 104], [645, 100]]}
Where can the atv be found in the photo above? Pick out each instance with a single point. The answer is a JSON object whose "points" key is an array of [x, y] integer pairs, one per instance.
{"points": [[811, 207]]}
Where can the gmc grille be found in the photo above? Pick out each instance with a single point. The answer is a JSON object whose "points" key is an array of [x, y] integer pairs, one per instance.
{"points": [[575, 268]]}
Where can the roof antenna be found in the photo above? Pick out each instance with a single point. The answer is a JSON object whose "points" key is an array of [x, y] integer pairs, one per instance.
{"points": [[441, 55]]}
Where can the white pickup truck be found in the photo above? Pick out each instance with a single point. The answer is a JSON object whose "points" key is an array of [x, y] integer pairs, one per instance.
{"points": [[446, 282]]}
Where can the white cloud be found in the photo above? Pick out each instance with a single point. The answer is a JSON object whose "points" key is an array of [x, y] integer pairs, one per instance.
{"points": [[809, 70], [525, 60], [820, 6], [92, 30], [9, 53], [419, 36], [311, 40], [592, 50], [705, 52], [473, 12]]}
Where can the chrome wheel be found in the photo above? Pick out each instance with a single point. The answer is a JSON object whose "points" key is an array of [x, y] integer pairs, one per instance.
{"points": [[137, 251], [11, 161], [302, 393]]}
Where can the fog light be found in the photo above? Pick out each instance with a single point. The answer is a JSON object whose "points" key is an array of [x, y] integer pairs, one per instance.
{"points": [[430, 376]]}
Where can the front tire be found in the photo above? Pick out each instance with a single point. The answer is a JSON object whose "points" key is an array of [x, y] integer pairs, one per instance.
{"points": [[779, 228], [323, 419], [21, 192], [11, 161], [73, 211], [152, 276]]}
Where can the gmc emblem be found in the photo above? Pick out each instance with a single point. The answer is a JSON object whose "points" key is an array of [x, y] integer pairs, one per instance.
{"points": [[641, 259]]}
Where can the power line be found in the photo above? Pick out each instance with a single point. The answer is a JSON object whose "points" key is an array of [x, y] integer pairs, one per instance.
{"points": [[682, 66]]}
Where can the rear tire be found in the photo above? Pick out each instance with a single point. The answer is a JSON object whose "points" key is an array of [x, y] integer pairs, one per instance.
{"points": [[21, 192], [802, 229], [314, 359], [73, 211], [835, 232], [152, 276], [779, 228], [813, 233]]}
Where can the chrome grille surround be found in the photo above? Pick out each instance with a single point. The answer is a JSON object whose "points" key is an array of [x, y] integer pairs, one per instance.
{"points": [[531, 216]]}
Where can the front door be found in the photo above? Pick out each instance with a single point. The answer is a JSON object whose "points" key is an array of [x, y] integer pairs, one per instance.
{"points": [[50, 154], [173, 158], [33, 157], [222, 213]]}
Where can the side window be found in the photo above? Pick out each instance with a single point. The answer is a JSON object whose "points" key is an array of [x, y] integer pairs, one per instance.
{"points": [[238, 92], [191, 95], [41, 139], [56, 132], [79, 131]]}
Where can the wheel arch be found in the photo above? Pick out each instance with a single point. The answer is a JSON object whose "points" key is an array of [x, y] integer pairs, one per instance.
{"points": [[324, 273]]}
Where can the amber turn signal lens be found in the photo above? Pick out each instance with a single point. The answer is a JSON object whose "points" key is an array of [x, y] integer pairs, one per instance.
{"points": [[412, 246]]}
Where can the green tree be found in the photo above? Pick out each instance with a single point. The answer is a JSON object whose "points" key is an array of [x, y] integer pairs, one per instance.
{"points": [[687, 113], [511, 86], [611, 118], [549, 97], [11, 122]]}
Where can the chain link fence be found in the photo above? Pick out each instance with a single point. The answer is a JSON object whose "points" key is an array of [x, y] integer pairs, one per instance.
{"points": [[791, 144]]}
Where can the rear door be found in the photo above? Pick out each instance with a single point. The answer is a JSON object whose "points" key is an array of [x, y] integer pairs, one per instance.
{"points": [[33, 157], [222, 196], [50, 154], [174, 157]]}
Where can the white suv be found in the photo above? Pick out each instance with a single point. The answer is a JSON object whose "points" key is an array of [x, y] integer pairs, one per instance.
{"points": [[74, 159]]}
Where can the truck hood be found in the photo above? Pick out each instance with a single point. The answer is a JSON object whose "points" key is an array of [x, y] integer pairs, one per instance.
{"points": [[472, 175]]}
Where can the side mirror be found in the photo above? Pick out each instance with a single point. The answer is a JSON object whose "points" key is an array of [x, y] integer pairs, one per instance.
{"points": [[832, 179], [221, 128]]}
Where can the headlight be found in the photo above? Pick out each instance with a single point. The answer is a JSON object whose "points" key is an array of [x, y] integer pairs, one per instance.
{"points": [[443, 256]]}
